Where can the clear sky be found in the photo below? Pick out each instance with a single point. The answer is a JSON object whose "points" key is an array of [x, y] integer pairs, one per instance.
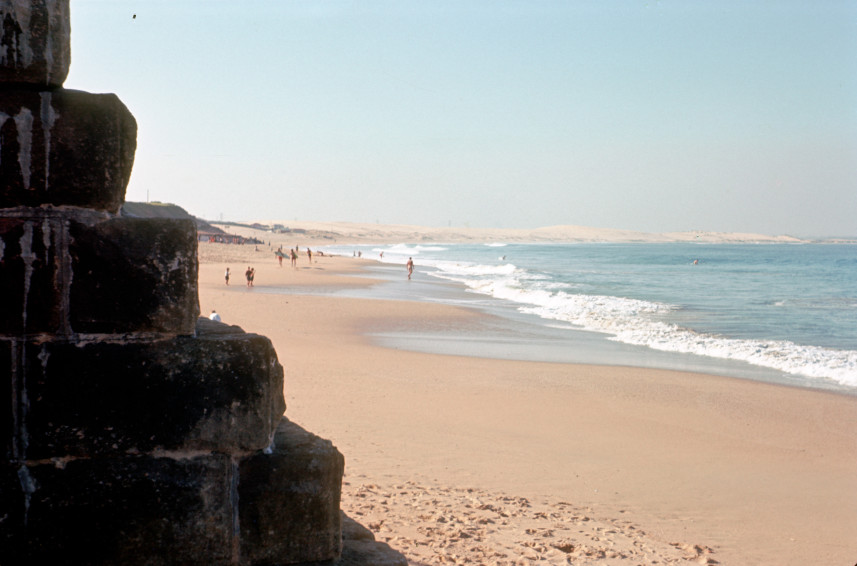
{"points": [[643, 115]]}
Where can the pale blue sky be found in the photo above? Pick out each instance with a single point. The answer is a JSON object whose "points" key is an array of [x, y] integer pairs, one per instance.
{"points": [[653, 116]]}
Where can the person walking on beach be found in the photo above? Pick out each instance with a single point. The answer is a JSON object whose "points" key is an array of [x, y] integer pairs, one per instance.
{"points": [[309, 255], [410, 265], [294, 256], [227, 276], [249, 275]]}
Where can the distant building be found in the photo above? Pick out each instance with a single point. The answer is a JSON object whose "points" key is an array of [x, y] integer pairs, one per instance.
{"points": [[220, 238]]}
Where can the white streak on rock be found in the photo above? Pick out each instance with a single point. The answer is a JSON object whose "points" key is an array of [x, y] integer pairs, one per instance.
{"points": [[49, 43], [20, 11], [24, 122], [46, 237], [65, 276], [43, 356], [58, 19], [269, 449], [29, 257], [28, 486], [49, 117]]}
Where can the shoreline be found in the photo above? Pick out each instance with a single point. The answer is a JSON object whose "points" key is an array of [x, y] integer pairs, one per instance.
{"points": [[754, 473], [535, 339]]}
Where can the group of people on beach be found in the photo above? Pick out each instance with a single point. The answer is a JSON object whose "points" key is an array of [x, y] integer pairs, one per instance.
{"points": [[293, 255], [250, 274]]}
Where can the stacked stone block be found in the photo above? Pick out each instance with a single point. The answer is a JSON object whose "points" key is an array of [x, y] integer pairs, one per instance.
{"points": [[133, 432]]}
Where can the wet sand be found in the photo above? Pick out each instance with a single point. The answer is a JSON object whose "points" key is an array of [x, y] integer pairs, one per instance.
{"points": [[463, 460]]}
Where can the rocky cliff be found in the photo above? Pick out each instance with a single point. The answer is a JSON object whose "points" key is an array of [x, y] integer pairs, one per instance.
{"points": [[133, 432]]}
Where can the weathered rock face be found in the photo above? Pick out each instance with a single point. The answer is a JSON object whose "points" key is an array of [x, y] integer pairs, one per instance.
{"points": [[279, 506], [359, 548], [221, 393], [133, 432], [65, 148], [34, 42], [65, 272], [128, 510], [292, 491], [115, 266]]}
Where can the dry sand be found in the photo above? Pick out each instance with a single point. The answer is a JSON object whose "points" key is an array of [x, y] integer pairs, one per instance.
{"points": [[456, 460]]}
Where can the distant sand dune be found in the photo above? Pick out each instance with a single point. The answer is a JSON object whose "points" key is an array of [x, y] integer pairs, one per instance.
{"points": [[357, 233]]}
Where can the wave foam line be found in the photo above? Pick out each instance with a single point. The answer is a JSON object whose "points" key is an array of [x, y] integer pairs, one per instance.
{"points": [[635, 322]]}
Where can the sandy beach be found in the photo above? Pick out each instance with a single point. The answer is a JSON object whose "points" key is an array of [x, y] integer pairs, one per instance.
{"points": [[456, 460]]}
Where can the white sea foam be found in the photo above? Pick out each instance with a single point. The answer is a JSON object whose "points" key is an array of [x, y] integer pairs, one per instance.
{"points": [[408, 249], [465, 272], [644, 323]]}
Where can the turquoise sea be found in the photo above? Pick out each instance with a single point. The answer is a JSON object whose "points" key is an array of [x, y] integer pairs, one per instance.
{"points": [[776, 312]]}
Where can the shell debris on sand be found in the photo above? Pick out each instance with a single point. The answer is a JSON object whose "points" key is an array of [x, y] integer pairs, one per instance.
{"points": [[433, 525]]}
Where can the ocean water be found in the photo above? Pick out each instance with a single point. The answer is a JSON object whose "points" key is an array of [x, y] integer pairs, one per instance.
{"points": [[787, 308]]}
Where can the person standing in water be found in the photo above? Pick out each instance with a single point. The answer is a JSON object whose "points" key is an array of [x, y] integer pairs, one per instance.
{"points": [[410, 265]]}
